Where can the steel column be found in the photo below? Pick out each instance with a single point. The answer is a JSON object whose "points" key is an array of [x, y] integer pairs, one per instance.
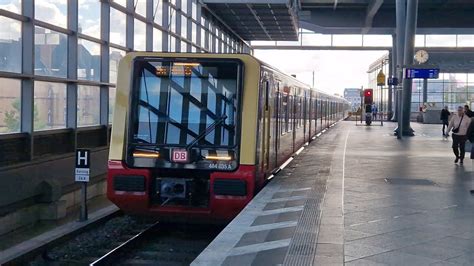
{"points": [[72, 43], [149, 26], [206, 43], [129, 25], [177, 18], [27, 85], [189, 25], [393, 65], [400, 40], [410, 29], [425, 90], [390, 88], [104, 63]]}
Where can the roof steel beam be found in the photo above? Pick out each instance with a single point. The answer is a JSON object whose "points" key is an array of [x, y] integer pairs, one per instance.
{"points": [[280, 2], [258, 20], [372, 10]]}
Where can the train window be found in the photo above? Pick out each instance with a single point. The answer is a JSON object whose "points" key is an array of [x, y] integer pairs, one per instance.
{"points": [[183, 103]]}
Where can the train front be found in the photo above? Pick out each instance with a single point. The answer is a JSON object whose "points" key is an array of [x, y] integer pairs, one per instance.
{"points": [[176, 137]]}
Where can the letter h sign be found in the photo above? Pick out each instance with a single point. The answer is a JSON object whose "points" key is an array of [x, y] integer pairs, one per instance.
{"points": [[83, 160]]}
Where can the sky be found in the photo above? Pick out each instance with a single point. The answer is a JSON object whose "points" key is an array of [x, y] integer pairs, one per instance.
{"points": [[334, 70]]}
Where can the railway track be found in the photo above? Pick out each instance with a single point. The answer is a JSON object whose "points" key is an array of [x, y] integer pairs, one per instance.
{"points": [[121, 250], [161, 244], [127, 240]]}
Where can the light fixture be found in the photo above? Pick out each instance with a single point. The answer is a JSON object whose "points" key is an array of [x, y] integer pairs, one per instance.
{"points": [[218, 158], [146, 154], [186, 64]]}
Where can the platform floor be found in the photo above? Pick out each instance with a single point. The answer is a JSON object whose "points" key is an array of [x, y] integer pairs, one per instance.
{"points": [[358, 196]]}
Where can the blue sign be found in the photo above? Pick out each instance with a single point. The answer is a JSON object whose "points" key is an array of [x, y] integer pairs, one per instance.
{"points": [[392, 81], [422, 73]]}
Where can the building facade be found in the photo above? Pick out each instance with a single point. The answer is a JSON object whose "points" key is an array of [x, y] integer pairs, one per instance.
{"points": [[353, 96]]}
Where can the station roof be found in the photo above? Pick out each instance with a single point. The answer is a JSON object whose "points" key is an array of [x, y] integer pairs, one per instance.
{"points": [[379, 16], [279, 20], [267, 20]]}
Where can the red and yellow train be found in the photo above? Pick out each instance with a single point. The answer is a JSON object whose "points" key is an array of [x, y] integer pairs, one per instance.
{"points": [[196, 136]]}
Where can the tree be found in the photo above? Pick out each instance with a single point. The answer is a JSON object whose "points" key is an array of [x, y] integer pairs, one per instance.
{"points": [[12, 117]]}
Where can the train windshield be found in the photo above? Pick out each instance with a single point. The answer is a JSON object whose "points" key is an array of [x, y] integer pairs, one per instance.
{"points": [[185, 104]]}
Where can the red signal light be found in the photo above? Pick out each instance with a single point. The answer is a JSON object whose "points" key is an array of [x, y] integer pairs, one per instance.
{"points": [[368, 99]]}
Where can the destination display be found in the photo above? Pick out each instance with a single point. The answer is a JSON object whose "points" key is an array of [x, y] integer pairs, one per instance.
{"points": [[421, 73]]}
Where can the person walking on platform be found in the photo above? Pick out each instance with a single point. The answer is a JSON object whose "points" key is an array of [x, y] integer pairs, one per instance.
{"points": [[468, 111], [460, 125], [445, 120]]}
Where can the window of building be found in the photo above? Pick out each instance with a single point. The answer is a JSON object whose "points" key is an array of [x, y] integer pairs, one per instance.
{"points": [[184, 6], [52, 11], [50, 53], [184, 26], [89, 17], [139, 36], [158, 12], [118, 27], [11, 5], [172, 46], [157, 40], [88, 60], [88, 105], [172, 19], [184, 47], [194, 33], [140, 7], [10, 105], [194, 8], [10, 45], [49, 105]]}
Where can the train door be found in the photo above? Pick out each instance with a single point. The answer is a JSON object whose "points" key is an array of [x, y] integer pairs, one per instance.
{"points": [[277, 119], [293, 117], [316, 114], [266, 127], [308, 114], [323, 112]]}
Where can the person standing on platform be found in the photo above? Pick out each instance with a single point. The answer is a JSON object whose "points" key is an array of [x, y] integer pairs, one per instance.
{"points": [[374, 111], [445, 120], [468, 111], [459, 123]]}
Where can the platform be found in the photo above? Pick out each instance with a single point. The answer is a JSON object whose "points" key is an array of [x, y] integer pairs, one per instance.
{"points": [[358, 196]]}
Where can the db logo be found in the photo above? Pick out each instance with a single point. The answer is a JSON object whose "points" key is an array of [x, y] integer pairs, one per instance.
{"points": [[180, 156]]}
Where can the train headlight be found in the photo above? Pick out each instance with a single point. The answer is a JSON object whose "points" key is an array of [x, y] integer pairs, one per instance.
{"points": [[218, 158], [146, 154]]}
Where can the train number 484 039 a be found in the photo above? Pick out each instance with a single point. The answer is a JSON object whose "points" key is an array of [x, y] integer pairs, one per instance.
{"points": [[220, 166]]}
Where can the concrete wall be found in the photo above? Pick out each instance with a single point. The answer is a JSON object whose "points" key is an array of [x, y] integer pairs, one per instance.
{"points": [[46, 190]]}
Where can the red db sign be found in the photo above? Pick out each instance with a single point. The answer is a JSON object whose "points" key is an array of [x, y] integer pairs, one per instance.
{"points": [[179, 156]]}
